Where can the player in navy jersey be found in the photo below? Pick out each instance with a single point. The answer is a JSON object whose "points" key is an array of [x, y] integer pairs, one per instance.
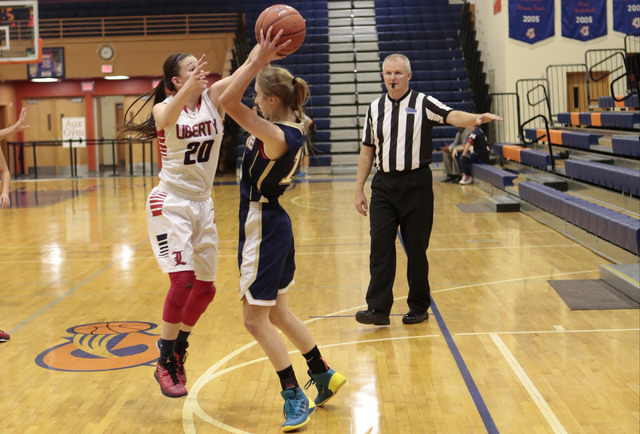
{"points": [[476, 150], [180, 214], [266, 247]]}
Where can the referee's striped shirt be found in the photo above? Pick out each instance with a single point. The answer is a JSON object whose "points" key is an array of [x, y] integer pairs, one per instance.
{"points": [[401, 130]]}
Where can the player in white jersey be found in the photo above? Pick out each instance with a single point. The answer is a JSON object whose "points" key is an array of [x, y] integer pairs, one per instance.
{"points": [[180, 214]]}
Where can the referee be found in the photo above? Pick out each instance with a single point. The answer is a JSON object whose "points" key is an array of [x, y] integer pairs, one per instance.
{"points": [[397, 136]]}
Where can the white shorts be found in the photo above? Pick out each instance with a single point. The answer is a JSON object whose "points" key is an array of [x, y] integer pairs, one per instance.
{"points": [[183, 234]]}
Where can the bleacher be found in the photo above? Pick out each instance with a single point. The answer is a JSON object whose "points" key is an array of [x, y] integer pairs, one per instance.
{"points": [[592, 180], [622, 120], [613, 226], [621, 179], [429, 38]]}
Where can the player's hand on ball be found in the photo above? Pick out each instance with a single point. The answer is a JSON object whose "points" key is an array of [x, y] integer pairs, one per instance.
{"points": [[268, 48]]}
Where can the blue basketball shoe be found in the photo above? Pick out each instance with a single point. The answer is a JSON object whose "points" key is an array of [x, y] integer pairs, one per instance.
{"points": [[327, 383], [297, 409]]}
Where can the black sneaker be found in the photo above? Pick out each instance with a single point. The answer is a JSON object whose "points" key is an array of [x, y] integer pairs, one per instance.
{"points": [[372, 316], [455, 179], [414, 317], [446, 178]]}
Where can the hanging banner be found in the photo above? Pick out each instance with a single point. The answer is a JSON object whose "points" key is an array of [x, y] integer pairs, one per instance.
{"points": [[584, 19], [531, 21], [626, 16]]}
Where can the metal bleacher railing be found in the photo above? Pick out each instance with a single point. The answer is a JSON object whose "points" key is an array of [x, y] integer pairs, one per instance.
{"points": [[17, 156], [474, 64], [102, 27], [536, 99]]}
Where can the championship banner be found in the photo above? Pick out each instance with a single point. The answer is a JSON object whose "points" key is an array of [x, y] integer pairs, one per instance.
{"points": [[626, 16], [584, 19], [531, 21]]}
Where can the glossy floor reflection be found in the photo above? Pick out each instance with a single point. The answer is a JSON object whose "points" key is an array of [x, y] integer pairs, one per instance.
{"points": [[82, 295]]}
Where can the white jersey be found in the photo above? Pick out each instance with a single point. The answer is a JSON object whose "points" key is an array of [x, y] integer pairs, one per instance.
{"points": [[190, 150]]}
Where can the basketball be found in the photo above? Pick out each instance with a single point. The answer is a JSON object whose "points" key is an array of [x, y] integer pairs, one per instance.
{"points": [[287, 19]]}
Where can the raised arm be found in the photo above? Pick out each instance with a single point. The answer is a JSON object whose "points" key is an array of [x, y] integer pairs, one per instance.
{"points": [[17, 127], [220, 86], [470, 120], [275, 145], [167, 114]]}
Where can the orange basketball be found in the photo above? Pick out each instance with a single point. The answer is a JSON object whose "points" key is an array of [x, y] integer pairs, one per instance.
{"points": [[286, 18]]}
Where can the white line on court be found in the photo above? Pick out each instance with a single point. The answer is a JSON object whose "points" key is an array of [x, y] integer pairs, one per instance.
{"points": [[517, 279], [527, 332], [191, 406], [528, 385]]}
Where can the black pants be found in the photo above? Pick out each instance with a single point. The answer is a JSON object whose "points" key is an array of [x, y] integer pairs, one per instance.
{"points": [[403, 199]]}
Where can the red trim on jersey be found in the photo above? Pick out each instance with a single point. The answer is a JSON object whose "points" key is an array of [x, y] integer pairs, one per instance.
{"points": [[162, 148], [261, 149], [156, 201], [186, 110]]}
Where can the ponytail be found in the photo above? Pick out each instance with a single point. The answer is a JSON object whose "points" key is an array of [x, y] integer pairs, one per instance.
{"points": [[147, 129], [292, 91]]}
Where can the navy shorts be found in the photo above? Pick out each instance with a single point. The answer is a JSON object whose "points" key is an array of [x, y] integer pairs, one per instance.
{"points": [[265, 252]]}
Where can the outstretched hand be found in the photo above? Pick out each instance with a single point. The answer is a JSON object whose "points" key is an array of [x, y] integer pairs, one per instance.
{"points": [[20, 126], [486, 118], [267, 49], [198, 80]]}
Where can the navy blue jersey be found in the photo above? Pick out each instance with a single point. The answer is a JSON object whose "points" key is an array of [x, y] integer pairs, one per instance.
{"points": [[478, 141], [263, 179]]}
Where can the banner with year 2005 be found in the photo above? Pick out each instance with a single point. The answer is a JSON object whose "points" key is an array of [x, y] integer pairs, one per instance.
{"points": [[531, 21], [626, 16], [584, 19]]}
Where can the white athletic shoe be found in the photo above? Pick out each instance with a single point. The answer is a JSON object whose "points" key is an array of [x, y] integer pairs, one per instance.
{"points": [[466, 179]]}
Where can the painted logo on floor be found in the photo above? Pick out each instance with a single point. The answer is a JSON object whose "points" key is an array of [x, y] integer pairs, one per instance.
{"points": [[103, 346]]}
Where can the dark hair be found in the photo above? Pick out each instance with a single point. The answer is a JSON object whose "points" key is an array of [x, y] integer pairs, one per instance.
{"points": [[147, 129], [292, 91]]}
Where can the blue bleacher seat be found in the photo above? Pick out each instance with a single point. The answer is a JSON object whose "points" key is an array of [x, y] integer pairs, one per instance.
{"points": [[626, 145], [609, 102], [613, 226], [319, 160], [620, 179], [579, 140], [493, 175], [533, 158]]}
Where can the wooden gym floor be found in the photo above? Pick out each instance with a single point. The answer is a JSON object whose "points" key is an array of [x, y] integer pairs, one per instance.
{"points": [[501, 352]]}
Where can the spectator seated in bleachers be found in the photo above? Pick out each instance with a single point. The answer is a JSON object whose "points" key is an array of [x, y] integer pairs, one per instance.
{"points": [[476, 150], [449, 153]]}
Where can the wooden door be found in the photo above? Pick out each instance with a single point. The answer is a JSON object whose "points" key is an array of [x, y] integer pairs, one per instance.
{"points": [[42, 119], [577, 90], [70, 108]]}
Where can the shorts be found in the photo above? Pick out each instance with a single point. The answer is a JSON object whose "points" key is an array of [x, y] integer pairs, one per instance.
{"points": [[266, 253], [183, 234]]}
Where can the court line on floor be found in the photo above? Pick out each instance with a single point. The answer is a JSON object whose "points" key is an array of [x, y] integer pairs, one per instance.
{"points": [[516, 279], [485, 415], [69, 292], [191, 406], [531, 389], [536, 332], [324, 252]]}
